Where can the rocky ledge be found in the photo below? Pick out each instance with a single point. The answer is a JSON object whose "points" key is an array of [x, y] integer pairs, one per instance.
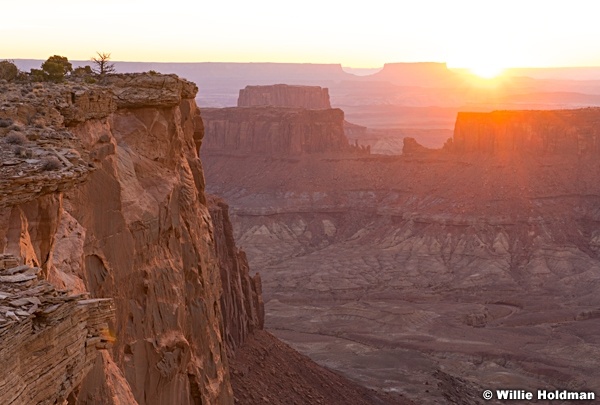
{"points": [[49, 339], [39, 153]]}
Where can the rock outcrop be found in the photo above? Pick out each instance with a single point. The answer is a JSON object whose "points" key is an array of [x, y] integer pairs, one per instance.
{"points": [[574, 132], [284, 95], [412, 147], [241, 301], [120, 213], [273, 131], [49, 339]]}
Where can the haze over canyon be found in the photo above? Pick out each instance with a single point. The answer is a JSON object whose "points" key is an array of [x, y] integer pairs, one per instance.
{"points": [[263, 233]]}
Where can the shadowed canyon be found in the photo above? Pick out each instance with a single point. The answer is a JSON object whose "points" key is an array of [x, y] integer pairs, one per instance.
{"points": [[459, 269]]}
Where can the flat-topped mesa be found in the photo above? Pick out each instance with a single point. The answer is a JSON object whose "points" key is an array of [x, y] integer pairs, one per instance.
{"points": [[273, 130], [284, 95], [571, 132], [425, 74]]}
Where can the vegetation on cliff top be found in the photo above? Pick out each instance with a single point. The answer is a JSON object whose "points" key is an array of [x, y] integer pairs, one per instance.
{"points": [[58, 68]]}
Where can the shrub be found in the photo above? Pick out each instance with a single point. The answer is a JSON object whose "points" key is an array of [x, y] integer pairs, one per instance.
{"points": [[56, 67], [8, 70], [38, 75], [15, 138], [82, 71], [51, 163], [22, 152], [5, 123]]}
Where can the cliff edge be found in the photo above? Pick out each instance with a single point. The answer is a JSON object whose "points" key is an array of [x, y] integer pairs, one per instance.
{"points": [[103, 192]]}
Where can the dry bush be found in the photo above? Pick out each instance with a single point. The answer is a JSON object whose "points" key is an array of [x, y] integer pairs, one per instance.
{"points": [[22, 152], [51, 163], [15, 138]]}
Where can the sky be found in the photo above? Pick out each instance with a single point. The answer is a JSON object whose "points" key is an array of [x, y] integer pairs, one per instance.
{"points": [[464, 33]]}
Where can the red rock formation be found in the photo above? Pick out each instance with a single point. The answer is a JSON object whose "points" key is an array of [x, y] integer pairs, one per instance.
{"points": [[137, 230], [560, 131], [49, 339], [241, 301], [284, 95], [269, 130]]}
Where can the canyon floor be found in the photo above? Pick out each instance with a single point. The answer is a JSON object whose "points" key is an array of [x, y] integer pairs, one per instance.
{"points": [[436, 275]]}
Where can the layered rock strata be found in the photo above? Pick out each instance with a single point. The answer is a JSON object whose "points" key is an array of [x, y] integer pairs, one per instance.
{"points": [[284, 95], [273, 131], [49, 339]]}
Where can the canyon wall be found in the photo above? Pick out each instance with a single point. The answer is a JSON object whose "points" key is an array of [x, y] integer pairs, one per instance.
{"points": [[103, 191], [575, 132], [284, 95], [273, 130], [49, 339], [241, 301]]}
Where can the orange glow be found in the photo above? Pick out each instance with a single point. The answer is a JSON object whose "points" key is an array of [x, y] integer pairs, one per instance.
{"points": [[487, 71]]}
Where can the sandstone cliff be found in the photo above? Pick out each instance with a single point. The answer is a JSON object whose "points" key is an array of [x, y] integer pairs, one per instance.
{"points": [[104, 192], [49, 339], [284, 95], [241, 301], [273, 131], [575, 132]]}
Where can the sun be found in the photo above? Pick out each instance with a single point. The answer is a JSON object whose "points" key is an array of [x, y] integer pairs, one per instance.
{"points": [[487, 71]]}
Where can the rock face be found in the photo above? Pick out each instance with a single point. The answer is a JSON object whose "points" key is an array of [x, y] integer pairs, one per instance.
{"points": [[241, 301], [284, 95], [49, 339], [121, 214], [273, 131], [575, 132]]}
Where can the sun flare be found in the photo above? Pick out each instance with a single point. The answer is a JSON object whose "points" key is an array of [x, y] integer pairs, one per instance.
{"points": [[487, 71]]}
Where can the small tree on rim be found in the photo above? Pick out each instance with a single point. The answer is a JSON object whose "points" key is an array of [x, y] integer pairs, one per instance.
{"points": [[102, 64]]}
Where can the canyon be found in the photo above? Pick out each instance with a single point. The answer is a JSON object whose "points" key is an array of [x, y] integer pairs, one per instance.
{"points": [[418, 100], [120, 280], [435, 274]]}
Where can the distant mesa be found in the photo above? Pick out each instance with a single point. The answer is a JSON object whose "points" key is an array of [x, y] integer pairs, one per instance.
{"points": [[277, 119], [574, 132], [284, 95], [273, 130], [426, 74]]}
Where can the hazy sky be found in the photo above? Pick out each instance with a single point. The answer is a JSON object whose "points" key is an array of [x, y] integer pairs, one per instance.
{"points": [[463, 33]]}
